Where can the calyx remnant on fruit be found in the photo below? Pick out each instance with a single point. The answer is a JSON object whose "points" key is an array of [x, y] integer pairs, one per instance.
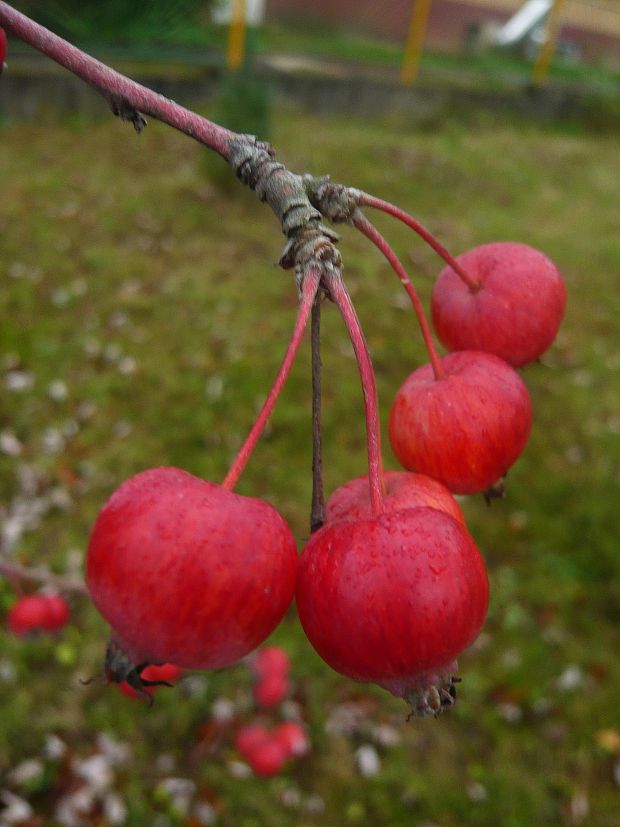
{"points": [[434, 698], [118, 667]]}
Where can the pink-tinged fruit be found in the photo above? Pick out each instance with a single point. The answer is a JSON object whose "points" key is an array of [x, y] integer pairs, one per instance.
{"points": [[293, 737], [466, 429], [515, 313], [394, 599], [3, 48], [248, 737], [269, 661], [402, 490], [270, 691], [267, 758], [187, 572], [38, 613]]}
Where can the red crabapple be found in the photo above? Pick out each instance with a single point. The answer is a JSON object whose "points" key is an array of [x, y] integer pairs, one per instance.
{"points": [[393, 599], [402, 490], [248, 737], [271, 690], [270, 660], [516, 311], [268, 757], [38, 613], [465, 429], [187, 572], [3, 48], [293, 737]]}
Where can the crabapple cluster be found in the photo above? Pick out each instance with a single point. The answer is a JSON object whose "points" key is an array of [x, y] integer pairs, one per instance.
{"points": [[390, 587]]}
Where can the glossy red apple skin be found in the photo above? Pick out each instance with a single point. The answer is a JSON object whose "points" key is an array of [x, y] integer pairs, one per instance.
{"points": [[468, 428], [392, 599], [515, 314], [403, 489], [187, 572]]}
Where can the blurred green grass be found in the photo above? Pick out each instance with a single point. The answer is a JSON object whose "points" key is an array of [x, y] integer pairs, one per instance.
{"points": [[153, 298]]}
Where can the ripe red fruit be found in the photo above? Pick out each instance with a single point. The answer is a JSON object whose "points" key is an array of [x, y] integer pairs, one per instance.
{"points": [[293, 737], [465, 429], [270, 661], [249, 737], [393, 599], [515, 313], [3, 48], [38, 613], [271, 690], [58, 612], [164, 674], [187, 572], [402, 490], [268, 757]]}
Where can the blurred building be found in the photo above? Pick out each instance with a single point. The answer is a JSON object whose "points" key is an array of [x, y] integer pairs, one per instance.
{"points": [[592, 26]]}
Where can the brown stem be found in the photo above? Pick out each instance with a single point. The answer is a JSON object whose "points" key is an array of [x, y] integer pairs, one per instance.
{"points": [[127, 98], [370, 231], [365, 200], [317, 512], [309, 288], [340, 296], [58, 581]]}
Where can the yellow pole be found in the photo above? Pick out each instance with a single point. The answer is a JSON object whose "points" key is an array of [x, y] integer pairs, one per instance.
{"points": [[415, 41], [236, 36], [547, 48]]}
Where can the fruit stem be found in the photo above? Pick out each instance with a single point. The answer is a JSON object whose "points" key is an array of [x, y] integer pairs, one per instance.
{"points": [[340, 296], [370, 231], [366, 200], [309, 287], [317, 511]]}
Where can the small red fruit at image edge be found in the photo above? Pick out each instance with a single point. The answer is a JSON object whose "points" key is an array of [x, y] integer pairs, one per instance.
{"points": [[393, 599], [165, 674], [187, 572], [293, 737], [516, 310], [38, 613], [465, 429], [402, 490], [3, 48]]}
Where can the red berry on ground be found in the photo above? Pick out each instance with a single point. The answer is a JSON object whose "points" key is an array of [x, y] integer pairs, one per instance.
{"points": [[393, 600], [58, 612], [294, 738], [268, 757], [187, 572], [467, 428], [269, 661], [402, 490], [248, 737], [515, 313], [271, 690], [165, 672], [38, 613]]}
